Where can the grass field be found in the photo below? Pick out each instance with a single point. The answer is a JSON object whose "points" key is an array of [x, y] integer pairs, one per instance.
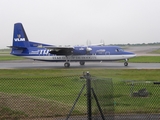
{"points": [[156, 51], [51, 85], [145, 59], [9, 57], [6, 56]]}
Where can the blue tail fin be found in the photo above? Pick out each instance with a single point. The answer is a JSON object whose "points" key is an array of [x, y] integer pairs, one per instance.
{"points": [[20, 39], [21, 45]]}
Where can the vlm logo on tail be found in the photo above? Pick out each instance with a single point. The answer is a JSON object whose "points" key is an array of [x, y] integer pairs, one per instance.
{"points": [[19, 38]]}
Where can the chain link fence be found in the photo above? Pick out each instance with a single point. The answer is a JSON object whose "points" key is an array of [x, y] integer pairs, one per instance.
{"points": [[76, 98]]}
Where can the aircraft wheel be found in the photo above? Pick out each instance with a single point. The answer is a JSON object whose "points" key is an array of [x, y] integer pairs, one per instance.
{"points": [[125, 63], [82, 62], [66, 65]]}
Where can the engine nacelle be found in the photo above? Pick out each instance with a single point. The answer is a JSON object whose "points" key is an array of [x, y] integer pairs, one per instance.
{"points": [[88, 49]]}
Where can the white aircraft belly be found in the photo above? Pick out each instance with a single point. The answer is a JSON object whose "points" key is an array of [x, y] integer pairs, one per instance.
{"points": [[81, 57], [73, 57]]}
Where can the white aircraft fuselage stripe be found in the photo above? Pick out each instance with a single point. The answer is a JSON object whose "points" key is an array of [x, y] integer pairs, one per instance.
{"points": [[82, 57]]}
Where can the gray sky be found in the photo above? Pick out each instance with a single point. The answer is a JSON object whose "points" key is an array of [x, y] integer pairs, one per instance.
{"points": [[73, 22]]}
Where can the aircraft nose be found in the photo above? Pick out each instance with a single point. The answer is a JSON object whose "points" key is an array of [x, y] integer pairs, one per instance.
{"points": [[132, 54]]}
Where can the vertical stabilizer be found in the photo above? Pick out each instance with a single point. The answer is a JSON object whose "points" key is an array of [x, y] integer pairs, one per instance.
{"points": [[20, 39]]}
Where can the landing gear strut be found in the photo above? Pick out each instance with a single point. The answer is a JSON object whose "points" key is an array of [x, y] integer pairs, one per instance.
{"points": [[126, 63]]}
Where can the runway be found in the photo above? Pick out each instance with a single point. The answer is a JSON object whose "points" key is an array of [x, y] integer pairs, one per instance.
{"points": [[30, 64]]}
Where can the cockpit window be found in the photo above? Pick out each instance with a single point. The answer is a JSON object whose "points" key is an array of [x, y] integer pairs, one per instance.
{"points": [[119, 50]]}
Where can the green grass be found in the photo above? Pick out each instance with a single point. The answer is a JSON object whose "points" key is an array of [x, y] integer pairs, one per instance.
{"points": [[5, 55], [127, 104], [9, 57], [145, 59], [5, 51], [51, 85], [123, 74], [156, 51]]}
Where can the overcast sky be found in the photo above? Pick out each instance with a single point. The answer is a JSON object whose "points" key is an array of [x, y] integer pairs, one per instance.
{"points": [[73, 22]]}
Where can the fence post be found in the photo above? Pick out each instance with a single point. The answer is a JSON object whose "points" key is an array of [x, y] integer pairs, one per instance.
{"points": [[88, 86], [132, 88]]}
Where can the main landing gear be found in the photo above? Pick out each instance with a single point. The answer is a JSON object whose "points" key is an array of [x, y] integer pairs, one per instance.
{"points": [[66, 64], [126, 63], [82, 62]]}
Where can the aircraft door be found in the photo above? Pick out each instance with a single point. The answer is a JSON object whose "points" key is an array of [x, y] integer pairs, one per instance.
{"points": [[107, 53]]}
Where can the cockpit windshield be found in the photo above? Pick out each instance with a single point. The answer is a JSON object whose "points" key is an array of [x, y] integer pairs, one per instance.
{"points": [[119, 50]]}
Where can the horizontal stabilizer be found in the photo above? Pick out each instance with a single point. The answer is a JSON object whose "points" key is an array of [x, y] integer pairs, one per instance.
{"points": [[16, 47]]}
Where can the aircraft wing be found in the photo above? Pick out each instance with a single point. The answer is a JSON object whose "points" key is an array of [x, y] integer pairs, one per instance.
{"points": [[60, 50]]}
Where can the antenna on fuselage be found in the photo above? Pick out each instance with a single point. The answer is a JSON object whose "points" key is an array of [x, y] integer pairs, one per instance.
{"points": [[103, 43], [88, 42]]}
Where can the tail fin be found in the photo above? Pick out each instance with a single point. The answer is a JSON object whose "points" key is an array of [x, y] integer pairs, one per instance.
{"points": [[20, 39]]}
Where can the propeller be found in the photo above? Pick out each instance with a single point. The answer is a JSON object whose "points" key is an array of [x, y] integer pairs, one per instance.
{"points": [[88, 49]]}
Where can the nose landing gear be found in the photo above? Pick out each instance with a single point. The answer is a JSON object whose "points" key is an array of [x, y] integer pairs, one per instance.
{"points": [[126, 63], [67, 63]]}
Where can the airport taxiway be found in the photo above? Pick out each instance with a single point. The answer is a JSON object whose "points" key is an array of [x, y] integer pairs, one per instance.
{"points": [[24, 64]]}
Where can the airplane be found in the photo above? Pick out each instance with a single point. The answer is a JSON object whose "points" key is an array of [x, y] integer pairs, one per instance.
{"points": [[21, 46]]}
